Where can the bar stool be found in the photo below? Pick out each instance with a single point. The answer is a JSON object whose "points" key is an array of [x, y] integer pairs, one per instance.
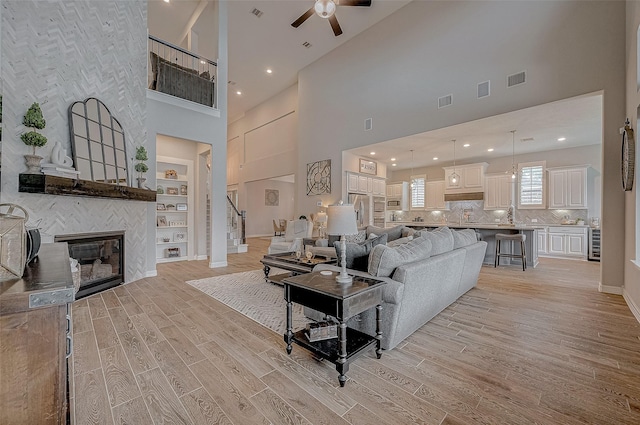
{"points": [[518, 237]]}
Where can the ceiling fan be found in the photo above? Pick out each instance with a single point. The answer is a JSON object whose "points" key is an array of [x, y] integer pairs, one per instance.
{"points": [[327, 9]]}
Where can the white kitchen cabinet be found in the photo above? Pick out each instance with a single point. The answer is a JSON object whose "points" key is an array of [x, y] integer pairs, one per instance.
{"points": [[352, 183], [542, 241], [174, 210], [359, 183], [398, 192], [499, 191], [567, 242], [379, 187], [364, 185], [471, 178], [568, 187], [434, 196]]}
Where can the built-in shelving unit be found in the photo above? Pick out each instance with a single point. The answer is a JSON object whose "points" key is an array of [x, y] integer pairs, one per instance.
{"points": [[174, 210]]}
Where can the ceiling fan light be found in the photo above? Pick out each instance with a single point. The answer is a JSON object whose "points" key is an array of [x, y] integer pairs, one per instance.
{"points": [[325, 8]]}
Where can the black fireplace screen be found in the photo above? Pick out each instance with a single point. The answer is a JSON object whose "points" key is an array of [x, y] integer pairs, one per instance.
{"points": [[100, 260]]}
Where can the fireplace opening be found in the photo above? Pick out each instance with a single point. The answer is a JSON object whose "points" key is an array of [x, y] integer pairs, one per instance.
{"points": [[100, 258]]}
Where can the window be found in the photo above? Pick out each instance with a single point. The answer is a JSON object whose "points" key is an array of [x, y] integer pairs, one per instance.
{"points": [[417, 192], [531, 193]]}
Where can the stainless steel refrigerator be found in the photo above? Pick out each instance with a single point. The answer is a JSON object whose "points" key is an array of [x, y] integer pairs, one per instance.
{"points": [[362, 205]]}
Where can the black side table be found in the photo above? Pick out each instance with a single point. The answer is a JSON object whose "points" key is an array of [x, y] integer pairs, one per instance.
{"points": [[322, 292]]}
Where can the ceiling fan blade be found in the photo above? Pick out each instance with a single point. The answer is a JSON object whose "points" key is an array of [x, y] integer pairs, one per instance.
{"points": [[365, 3], [306, 15], [335, 26]]}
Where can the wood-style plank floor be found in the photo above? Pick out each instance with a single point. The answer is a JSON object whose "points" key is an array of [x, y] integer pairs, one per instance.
{"points": [[535, 347]]}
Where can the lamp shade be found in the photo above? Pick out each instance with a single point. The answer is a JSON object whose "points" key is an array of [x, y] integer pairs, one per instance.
{"points": [[325, 8], [321, 217], [342, 220]]}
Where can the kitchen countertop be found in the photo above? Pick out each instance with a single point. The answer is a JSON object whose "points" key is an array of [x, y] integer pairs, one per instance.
{"points": [[486, 226]]}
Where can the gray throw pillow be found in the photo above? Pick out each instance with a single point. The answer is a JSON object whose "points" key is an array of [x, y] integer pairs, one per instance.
{"points": [[384, 259], [357, 254], [463, 238], [400, 241], [393, 232], [441, 239]]}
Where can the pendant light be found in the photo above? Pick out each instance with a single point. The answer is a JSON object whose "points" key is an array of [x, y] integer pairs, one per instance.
{"points": [[454, 178], [411, 176], [514, 170]]}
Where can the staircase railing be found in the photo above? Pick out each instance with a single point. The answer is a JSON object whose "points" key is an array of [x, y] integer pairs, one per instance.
{"points": [[243, 215]]}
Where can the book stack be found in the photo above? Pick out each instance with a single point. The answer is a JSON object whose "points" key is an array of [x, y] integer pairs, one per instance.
{"points": [[319, 331], [57, 170]]}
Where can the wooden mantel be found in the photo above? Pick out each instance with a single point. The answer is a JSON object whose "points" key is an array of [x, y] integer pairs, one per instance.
{"points": [[55, 185]]}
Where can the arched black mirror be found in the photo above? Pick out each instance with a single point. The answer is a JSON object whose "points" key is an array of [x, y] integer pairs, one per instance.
{"points": [[98, 143]]}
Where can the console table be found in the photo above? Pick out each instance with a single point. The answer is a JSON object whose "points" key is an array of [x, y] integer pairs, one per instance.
{"points": [[35, 340], [322, 292], [288, 261]]}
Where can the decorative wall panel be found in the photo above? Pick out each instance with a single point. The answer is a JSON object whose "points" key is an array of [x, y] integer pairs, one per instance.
{"points": [[56, 53]]}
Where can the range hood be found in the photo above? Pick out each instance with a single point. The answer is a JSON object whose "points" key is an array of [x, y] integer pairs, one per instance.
{"points": [[467, 196]]}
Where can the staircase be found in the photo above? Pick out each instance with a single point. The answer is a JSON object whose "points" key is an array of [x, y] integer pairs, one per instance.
{"points": [[235, 231]]}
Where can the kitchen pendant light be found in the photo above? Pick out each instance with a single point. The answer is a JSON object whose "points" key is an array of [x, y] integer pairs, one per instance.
{"points": [[454, 178], [411, 176], [514, 170]]}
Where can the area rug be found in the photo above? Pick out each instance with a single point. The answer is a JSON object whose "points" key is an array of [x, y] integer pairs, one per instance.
{"points": [[249, 294]]}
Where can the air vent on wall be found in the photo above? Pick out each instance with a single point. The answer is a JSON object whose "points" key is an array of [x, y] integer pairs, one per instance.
{"points": [[445, 101], [368, 124], [257, 12], [515, 79], [484, 89]]}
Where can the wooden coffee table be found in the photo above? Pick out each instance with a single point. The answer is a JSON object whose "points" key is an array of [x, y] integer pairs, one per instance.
{"points": [[288, 261], [322, 293]]}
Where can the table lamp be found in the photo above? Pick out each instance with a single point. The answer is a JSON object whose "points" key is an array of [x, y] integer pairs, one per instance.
{"points": [[342, 221], [321, 218]]}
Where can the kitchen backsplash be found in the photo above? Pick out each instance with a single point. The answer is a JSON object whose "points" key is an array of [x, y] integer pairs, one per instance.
{"points": [[478, 215]]}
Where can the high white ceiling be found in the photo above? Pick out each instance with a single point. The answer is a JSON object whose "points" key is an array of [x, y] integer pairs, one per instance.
{"points": [[270, 42]]}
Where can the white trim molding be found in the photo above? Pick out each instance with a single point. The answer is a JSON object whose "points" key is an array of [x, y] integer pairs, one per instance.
{"points": [[216, 264], [608, 289], [635, 310], [182, 103], [151, 273]]}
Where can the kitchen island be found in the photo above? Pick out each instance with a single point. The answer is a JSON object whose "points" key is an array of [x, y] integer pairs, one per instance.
{"points": [[487, 232]]}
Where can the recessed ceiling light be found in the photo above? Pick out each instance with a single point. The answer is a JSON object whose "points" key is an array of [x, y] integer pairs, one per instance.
{"points": [[562, 139], [203, 62], [435, 158], [466, 145], [166, 1], [490, 150], [372, 153], [393, 165], [393, 159], [269, 70], [238, 92]]}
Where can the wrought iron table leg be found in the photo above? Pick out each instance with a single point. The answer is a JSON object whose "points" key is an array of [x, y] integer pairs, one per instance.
{"points": [[288, 337], [266, 270]]}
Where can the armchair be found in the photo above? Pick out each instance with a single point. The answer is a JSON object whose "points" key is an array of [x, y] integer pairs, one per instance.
{"points": [[292, 239]]}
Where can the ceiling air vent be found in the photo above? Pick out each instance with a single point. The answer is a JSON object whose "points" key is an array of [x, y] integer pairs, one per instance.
{"points": [[484, 89], [527, 139], [516, 79], [445, 101], [231, 83], [257, 12], [306, 44]]}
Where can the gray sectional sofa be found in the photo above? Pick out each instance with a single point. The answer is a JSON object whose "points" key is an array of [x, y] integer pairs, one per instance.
{"points": [[423, 276]]}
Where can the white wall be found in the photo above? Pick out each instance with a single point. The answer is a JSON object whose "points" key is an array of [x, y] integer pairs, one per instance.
{"points": [[398, 68], [259, 215], [632, 199]]}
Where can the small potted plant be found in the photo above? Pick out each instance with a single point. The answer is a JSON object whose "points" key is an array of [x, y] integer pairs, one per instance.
{"points": [[33, 119], [141, 167]]}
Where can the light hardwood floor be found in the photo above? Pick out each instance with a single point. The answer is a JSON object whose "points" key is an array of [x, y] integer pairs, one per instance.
{"points": [[535, 347]]}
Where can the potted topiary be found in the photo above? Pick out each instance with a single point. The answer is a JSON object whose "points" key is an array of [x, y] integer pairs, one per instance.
{"points": [[34, 119], [141, 167]]}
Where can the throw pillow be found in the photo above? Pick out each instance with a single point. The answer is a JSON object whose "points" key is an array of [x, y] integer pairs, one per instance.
{"points": [[441, 239], [357, 254], [400, 241], [359, 237], [384, 259], [393, 232], [407, 231], [463, 238]]}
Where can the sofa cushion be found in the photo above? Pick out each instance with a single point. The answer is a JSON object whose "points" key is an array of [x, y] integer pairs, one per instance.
{"points": [[441, 239], [400, 241], [407, 231], [384, 259], [357, 254], [463, 238], [393, 232]]}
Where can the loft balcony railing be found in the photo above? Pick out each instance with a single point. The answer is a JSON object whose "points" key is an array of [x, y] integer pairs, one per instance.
{"points": [[180, 73]]}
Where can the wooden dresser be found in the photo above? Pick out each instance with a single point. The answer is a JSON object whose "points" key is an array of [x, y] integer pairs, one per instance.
{"points": [[35, 339]]}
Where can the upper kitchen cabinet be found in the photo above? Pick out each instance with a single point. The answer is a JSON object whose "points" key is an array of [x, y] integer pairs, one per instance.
{"points": [[359, 183], [434, 196], [568, 187], [471, 178], [499, 191]]}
